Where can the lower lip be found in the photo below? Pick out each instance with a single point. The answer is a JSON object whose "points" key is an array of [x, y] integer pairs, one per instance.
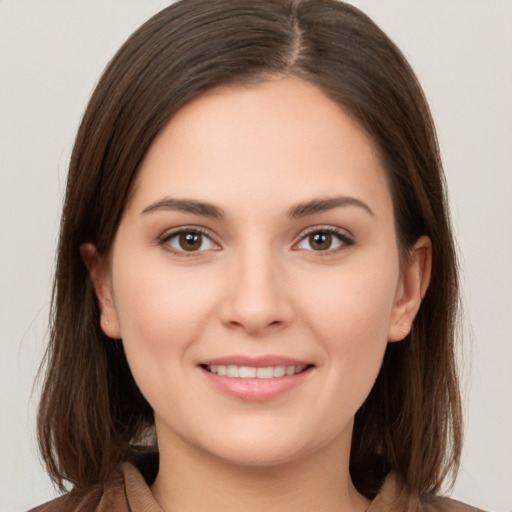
{"points": [[256, 389]]}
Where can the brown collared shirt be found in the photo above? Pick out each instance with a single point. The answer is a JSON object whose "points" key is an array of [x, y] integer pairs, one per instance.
{"points": [[128, 491]]}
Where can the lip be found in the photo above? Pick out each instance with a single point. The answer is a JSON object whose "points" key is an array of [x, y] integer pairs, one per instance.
{"points": [[257, 362], [256, 389]]}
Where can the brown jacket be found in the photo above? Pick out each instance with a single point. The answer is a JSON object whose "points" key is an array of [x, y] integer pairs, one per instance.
{"points": [[127, 491]]}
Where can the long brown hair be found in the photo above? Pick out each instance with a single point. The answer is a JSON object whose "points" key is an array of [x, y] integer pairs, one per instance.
{"points": [[91, 412]]}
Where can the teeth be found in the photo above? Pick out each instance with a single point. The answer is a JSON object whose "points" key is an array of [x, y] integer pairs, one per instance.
{"points": [[247, 372], [232, 371], [265, 373], [251, 372], [290, 370], [279, 371]]}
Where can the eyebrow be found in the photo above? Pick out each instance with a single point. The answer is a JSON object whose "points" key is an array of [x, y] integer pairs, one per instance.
{"points": [[205, 209], [322, 205], [188, 206]]}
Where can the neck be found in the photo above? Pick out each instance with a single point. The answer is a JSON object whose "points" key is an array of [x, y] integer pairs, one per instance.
{"points": [[190, 480]]}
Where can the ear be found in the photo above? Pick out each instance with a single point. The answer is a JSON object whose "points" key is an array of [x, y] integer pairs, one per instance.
{"points": [[99, 274], [411, 289]]}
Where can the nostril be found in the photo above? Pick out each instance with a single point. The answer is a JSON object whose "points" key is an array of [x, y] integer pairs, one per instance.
{"points": [[253, 311]]}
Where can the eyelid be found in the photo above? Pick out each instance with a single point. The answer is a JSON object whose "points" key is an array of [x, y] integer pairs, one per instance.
{"points": [[344, 235], [164, 238]]}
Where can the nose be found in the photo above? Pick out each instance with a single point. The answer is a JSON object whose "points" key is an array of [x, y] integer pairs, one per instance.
{"points": [[258, 297]]}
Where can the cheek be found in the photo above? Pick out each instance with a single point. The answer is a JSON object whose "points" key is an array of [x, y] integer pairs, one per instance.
{"points": [[349, 314], [160, 308], [162, 311], [356, 300]]}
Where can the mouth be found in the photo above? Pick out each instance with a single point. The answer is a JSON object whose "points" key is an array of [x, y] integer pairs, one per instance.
{"points": [[256, 379], [255, 372]]}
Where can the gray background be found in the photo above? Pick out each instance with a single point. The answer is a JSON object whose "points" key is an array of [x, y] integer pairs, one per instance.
{"points": [[51, 54]]}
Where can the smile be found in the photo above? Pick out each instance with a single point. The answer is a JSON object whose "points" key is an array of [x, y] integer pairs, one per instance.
{"points": [[252, 372], [256, 379]]}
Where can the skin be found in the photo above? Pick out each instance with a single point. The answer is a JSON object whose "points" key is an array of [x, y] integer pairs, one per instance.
{"points": [[258, 286]]}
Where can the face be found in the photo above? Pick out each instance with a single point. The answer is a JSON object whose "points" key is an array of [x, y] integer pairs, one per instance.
{"points": [[255, 278]]}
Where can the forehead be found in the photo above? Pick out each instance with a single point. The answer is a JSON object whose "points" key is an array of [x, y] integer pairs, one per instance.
{"points": [[279, 140]]}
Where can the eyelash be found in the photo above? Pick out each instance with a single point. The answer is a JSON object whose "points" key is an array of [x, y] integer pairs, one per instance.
{"points": [[345, 240], [169, 235]]}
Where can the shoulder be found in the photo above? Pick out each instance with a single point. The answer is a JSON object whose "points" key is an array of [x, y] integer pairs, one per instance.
{"points": [[395, 497], [108, 496], [443, 504], [85, 501], [127, 489], [71, 502]]}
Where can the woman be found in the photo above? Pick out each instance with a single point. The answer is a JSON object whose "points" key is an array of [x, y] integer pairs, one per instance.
{"points": [[256, 267]]}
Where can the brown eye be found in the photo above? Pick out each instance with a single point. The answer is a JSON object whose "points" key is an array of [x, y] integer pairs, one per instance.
{"points": [[325, 240], [190, 241], [320, 241]]}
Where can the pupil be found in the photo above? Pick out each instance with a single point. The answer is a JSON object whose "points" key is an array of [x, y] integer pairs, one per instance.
{"points": [[190, 241], [320, 241]]}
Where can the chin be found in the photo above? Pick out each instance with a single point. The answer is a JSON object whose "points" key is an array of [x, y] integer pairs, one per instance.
{"points": [[267, 449], [256, 457]]}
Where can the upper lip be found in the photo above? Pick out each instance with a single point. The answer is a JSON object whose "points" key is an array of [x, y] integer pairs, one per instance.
{"points": [[256, 362]]}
